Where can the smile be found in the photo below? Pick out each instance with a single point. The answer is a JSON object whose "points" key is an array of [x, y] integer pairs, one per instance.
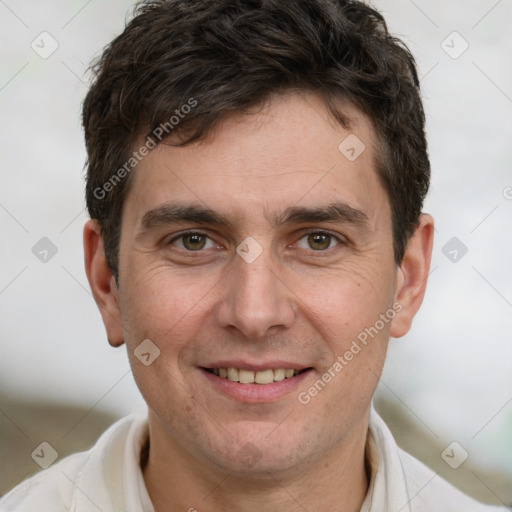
{"points": [[255, 377]]}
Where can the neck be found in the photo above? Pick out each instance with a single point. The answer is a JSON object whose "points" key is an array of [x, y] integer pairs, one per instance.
{"points": [[177, 481]]}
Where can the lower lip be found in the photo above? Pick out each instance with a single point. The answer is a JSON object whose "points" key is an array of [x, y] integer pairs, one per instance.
{"points": [[256, 393]]}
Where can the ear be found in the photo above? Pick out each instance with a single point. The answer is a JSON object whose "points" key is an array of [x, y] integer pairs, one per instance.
{"points": [[102, 283], [412, 275]]}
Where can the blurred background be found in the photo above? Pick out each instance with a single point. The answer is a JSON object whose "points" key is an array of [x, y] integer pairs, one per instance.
{"points": [[449, 380]]}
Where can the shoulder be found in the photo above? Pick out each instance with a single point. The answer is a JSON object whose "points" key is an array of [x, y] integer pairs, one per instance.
{"points": [[430, 492], [51, 489], [61, 487], [405, 483]]}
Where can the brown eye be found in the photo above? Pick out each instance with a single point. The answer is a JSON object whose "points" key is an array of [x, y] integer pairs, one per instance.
{"points": [[319, 241], [194, 241]]}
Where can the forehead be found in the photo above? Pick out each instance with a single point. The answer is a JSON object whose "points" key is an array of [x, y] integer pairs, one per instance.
{"points": [[287, 152]]}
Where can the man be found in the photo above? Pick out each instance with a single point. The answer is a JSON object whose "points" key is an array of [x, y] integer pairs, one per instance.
{"points": [[256, 174]]}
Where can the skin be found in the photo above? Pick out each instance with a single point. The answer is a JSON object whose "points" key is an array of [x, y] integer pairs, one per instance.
{"points": [[303, 300]]}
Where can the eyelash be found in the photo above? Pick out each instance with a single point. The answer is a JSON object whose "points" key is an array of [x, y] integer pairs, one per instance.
{"points": [[337, 238]]}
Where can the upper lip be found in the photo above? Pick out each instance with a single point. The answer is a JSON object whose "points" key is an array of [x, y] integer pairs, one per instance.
{"points": [[246, 365]]}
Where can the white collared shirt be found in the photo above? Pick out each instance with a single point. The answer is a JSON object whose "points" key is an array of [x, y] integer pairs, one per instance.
{"points": [[108, 478]]}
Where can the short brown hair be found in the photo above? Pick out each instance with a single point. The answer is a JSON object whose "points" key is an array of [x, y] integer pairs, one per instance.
{"points": [[225, 56]]}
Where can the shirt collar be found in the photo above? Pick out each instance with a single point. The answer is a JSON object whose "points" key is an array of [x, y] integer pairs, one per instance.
{"points": [[113, 478], [387, 490]]}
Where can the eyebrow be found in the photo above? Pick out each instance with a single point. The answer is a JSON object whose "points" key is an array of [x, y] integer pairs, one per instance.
{"points": [[334, 212], [170, 213]]}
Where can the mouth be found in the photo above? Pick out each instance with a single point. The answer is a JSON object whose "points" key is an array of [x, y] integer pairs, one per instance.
{"points": [[263, 377], [255, 382]]}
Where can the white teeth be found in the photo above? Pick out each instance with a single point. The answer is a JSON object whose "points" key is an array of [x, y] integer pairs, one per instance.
{"points": [[264, 377], [246, 376], [279, 374], [233, 374], [251, 377]]}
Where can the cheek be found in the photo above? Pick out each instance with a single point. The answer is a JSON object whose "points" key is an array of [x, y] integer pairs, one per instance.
{"points": [[166, 309], [343, 302], [154, 308]]}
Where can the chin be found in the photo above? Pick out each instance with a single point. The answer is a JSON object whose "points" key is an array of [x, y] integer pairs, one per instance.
{"points": [[250, 462], [260, 451]]}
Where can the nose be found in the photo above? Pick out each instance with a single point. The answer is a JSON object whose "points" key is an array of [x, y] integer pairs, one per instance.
{"points": [[255, 301]]}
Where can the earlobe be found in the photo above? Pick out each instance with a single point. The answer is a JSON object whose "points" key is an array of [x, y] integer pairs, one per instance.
{"points": [[412, 275], [102, 283]]}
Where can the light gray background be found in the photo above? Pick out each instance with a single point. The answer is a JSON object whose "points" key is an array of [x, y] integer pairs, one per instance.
{"points": [[449, 378]]}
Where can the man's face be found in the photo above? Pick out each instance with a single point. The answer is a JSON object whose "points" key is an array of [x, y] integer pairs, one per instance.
{"points": [[316, 272]]}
